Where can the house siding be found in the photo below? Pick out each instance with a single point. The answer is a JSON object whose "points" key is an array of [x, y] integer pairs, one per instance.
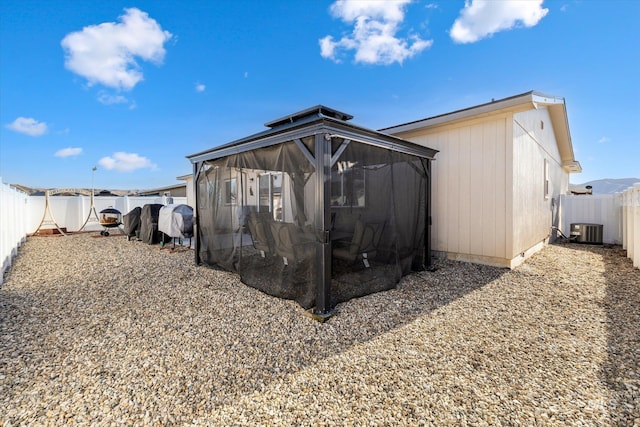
{"points": [[490, 202], [534, 214], [471, 184]]}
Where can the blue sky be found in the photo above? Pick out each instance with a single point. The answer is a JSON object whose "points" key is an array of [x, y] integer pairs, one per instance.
{"points": [[133, 87]]}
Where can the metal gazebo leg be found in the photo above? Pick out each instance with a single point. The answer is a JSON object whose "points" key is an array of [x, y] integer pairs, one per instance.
{"points": [[323, 309]]}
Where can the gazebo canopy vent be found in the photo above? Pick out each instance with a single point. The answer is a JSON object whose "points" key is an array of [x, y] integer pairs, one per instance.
{"points": [[314, 209]]}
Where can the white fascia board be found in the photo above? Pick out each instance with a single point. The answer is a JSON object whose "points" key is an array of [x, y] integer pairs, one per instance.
{"points": [[572, 166], [478, 111], [558, 114], [538, 98]]}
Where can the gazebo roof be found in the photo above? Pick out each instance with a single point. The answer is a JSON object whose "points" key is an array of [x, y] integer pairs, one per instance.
{"points": [[313, 121]]}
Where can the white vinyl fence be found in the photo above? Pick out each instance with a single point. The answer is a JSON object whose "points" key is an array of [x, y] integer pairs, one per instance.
{"points": [[21, 214], [618, 213], [13, 224], [631, 223], [605, 209], [71, 212]]}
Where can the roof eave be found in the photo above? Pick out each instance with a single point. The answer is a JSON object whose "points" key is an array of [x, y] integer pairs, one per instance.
{"points": [[560, 121], [523, 102], [572, 166]]}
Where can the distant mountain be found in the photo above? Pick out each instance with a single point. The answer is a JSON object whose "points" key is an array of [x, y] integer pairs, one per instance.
{"points": [[610, 186]]}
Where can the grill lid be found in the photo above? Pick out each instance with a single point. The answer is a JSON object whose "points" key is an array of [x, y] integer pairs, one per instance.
{"points": [[110, 211]]}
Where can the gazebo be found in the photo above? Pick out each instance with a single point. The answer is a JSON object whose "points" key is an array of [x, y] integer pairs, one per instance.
{"points": [[314, 209]]}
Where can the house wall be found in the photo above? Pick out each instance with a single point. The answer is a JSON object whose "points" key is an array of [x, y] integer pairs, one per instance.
{"points": [[471, 188], [191, 192], [488, 190], [534, 214]]}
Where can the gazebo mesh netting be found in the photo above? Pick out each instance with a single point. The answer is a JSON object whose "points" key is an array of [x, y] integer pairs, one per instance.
{"points": [[290, 220]]}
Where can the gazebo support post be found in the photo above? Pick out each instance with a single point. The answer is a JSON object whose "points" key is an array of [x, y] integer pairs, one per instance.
{"points": [[323, 309]]}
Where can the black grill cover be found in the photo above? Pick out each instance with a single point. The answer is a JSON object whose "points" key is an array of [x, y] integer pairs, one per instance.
{"points": [[132, 222], [149, 224]]}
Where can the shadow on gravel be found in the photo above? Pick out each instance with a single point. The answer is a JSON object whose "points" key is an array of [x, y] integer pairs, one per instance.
{"points": [[416, 295], [621, 373]]}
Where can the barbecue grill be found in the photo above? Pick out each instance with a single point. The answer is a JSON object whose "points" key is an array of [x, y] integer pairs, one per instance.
{"points": [[176, 221], [110, 218]]}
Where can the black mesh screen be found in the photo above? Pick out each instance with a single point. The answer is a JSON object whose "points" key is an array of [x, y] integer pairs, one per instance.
{"points": [[257, 216], [378, 219]]}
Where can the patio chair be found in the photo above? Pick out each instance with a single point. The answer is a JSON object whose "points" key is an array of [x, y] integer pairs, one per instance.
{"points": [[364, 244], [292, 243], [260, 233]]}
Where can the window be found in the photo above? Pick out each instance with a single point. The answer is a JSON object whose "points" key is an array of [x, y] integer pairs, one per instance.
{"points": [[270, 194], [230, 191], [547, 184], [348, 185]]}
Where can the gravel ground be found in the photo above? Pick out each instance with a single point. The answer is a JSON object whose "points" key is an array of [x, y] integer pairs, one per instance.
{"points": [[102, 331]]}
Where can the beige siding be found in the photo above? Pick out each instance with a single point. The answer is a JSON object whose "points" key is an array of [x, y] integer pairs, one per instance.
{"points": [[464, 194], [489, 199], [470, 199], [533, 143]]}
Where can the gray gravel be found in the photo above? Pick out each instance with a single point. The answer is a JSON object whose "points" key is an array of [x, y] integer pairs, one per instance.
{"points": [[102, 331]]}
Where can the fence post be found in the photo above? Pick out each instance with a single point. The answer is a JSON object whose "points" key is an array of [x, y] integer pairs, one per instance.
{"points": [[629, 218], [630, 223], [624, 220], [636, 224]]}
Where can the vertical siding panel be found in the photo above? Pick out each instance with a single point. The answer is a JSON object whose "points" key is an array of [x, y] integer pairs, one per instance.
{"points": [[535, 143], [509, 187], [518, 190], [453, 207], [464, 196], [489, 189], [501, 180], [443, 184], [476, 199]]}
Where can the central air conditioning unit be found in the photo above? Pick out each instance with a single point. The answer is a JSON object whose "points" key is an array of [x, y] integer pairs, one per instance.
{"points": [[586, 233]]}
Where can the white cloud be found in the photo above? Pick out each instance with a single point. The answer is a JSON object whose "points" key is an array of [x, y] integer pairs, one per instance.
{"points": [[374, 36], [483, 18], [106, 53], [28, 126], [68, 152], [200, 87], [604, 139], [109, 99], [126, 162]]}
